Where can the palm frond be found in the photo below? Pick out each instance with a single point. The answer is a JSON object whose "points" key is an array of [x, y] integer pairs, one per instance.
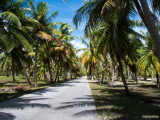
{"points": [[11, 18]]}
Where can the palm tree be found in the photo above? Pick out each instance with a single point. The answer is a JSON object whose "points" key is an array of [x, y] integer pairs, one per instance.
{"points": [[114, 37], [88, 59], [13, 38], [94, 11], [6, 63], [149, 59], [63, 52], [42, 27], [11, 13]]}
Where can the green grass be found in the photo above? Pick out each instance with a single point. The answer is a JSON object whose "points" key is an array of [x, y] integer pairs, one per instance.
{"points": [[113, 104], [6, 82]]}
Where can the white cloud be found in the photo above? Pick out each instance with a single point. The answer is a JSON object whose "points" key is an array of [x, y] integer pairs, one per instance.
{"points": [[78, 45]]}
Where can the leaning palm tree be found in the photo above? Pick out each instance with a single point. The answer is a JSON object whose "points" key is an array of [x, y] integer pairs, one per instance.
{"points": [[13, 38]]}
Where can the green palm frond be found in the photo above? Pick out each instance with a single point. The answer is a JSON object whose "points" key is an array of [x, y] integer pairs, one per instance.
{"points": [[33, 9], [7, 43], [53, 15], [20, 38], [11, 17]]}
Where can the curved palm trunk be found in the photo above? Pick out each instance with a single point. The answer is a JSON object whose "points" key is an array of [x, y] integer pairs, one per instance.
{"points": [[26, 75], [148, 20], [35, 65], [122, 75]]}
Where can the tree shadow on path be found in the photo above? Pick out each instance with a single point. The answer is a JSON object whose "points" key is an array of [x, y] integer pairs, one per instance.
{"points": [[6, 116]]}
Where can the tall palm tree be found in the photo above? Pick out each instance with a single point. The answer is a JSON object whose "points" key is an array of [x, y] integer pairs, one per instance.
{"points": [[114, 37], [42, 27], [63, 51], [88, 59], [96, 10]]}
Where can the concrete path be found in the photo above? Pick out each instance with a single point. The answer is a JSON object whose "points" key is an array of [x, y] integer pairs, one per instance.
{"points": [[67, 101]]}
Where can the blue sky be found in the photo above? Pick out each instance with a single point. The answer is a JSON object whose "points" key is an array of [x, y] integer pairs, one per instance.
{"points": [[66, 11]]}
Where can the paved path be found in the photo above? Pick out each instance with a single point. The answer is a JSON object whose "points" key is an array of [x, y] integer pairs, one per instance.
{"points": [[67, 101]]}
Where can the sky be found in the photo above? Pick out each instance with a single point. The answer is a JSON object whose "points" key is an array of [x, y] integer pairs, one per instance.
{"points": [[66, 11]]}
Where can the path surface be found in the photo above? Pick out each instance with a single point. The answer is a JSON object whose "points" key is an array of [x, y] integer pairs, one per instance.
{"points": [[67, 101]]}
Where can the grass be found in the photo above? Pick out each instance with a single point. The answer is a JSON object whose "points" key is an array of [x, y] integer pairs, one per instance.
{"points": [[6, 82], [113, 104]]}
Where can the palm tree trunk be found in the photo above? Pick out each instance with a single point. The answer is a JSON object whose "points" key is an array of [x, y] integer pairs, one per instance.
{"points": [[74, 75], [112, 75], [65, 72], [17, 74], [91, 73], [70, 73], [148, 20], [135, 77], [122, 75], [13, 74], [25, 72], [117, 76], [29, 74], [127, 70], [157, 77], [154, 75], [50, 72], [44, 75], [103, 75], [98, 76], [49, 65], [57, 74], [35, 65], [7, 72]]}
